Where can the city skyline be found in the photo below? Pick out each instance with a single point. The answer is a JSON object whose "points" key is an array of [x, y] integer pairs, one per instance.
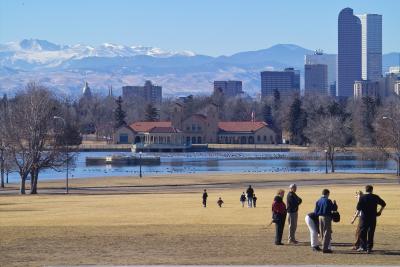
{"points": [[191, 25]]}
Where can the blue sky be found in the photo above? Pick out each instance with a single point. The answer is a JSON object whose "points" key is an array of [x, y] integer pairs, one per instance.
{"points": [[212, 27]]}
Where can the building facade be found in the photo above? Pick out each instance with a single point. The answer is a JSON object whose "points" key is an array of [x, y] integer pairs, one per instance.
{"points": [[392, 78], [371, 46], [199, 128], [316, 79], [320, 58], [151, 94], [229, 88], [349, 52], [287, 82], [245, 132], [367, 89]]}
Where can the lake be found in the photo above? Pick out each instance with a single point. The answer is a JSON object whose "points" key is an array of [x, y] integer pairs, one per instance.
{"points": [[214, 162]]}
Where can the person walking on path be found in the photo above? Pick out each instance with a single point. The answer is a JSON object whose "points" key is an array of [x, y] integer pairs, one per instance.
{"points": [[205, 196], [313, 227], [357, 214], [254, 200], [323, 209], [250, 193], [243, 199], [368, 205], [293, 202], [279, 216], [220, 202]]}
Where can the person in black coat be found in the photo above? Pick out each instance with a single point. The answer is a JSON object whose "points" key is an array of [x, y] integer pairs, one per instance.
{"points": [[293, 201], [250, 193], [368, 205], [205, 196]]}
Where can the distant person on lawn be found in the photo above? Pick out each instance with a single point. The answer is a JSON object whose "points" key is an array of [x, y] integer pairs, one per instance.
{"points": [[254, 200], [279, 216], [293, 202], [323, 209], [250, 193], [220, 202], [243, 199], [205, 196], [368, 205]]}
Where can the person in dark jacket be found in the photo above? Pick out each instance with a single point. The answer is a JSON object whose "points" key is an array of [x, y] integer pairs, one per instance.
{"points": [[368, 205], [243, 199], [293, 202], [220, 202], [279, 216], [250, 193], [323, 209], [205, 196], [254, 200]]}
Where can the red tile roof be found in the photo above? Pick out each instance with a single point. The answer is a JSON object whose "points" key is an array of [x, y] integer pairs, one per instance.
{"points": [[145, 126], [164, 130], [241, 126]]}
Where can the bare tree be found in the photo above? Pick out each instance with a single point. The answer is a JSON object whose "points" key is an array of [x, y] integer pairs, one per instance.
{"points": [[28, 131], [328, 133], [387, 131]]}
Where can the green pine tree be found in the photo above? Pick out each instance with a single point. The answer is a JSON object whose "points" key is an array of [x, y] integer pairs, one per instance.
{"points": [[297, 122], [119, 114], [151, 113]]}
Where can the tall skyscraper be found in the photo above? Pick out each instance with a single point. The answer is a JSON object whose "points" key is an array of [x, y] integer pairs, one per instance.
{"points": [[371, 46], [229, 88], [316, 79], [320, 58], [287, 82], [349, 52]]}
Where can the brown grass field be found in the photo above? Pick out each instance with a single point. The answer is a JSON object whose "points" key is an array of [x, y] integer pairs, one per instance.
{"points": [[152, 222]]}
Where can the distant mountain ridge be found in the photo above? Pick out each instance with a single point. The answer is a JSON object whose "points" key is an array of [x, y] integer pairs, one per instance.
{"points": [[65, 67]]}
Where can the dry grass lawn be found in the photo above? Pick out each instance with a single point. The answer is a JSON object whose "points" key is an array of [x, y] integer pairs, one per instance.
{"points": [[174, 228]]}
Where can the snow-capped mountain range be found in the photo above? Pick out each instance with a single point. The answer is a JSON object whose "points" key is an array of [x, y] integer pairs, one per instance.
{"points": [[64, 68], [42, 53]]}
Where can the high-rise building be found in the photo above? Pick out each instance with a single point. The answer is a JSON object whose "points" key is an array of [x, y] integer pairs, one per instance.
{"points": [[349, 52], [371, 46], [332, 89], [148, 93], [366, 88], [316, 79], [392, 78], [320, 58], [287, 82], [229, 88]]}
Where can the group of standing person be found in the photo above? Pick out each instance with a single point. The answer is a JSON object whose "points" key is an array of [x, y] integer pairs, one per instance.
{"points": [[251, 198], [319, 221], [280, 211]]}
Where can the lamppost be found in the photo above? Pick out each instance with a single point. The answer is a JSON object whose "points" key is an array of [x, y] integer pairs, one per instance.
{"points": [[326, 161], [66, 152], [140, 164]]}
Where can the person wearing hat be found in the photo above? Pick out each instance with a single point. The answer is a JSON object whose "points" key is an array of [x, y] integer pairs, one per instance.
{"points": [[293, 201]]}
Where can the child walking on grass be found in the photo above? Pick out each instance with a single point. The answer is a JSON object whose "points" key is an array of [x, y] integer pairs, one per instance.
{"points": [[220, 202]]}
